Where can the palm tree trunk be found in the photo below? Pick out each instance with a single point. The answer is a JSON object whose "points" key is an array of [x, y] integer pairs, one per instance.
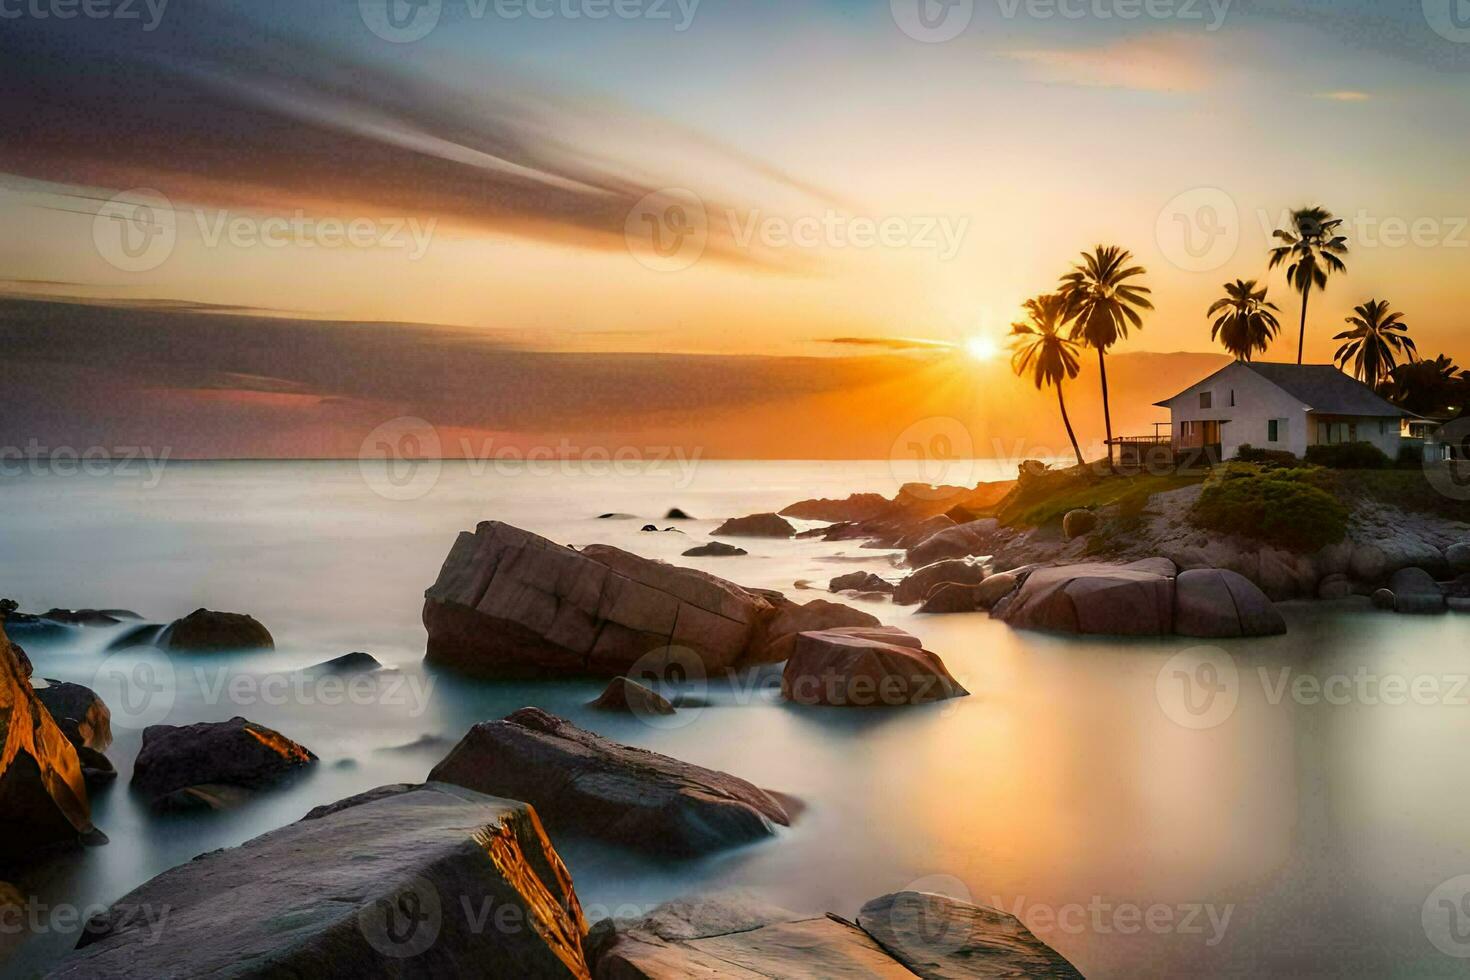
{"points": [[1301, 347], [1068, 423], [1102, 366]]}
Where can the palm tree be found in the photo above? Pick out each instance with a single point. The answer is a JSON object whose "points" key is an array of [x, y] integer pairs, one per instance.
{"points": [[1102, 304], [1428, 387], [1313, 247], [1373, 345], [1042, 351], [1247, 321]]}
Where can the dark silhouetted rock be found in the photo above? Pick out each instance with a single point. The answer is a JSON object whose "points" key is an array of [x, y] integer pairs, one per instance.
{"points": [[952, 598], [204, 630], [941, 938], [146, 635], [348, 663], [624, 695], [918, 585], [616, 517], [508, 602], [1114, 600], [43, 797], [434, 881], [1385, 599], [858, 507], [864, 669], [1458, 557], [1216, 603], [1415, 591], [915, 534], [582, 783], [756, 526], [861, 582], [235, 753], [716, 549], [1337, 586], [677, 515], [1078, 523], [86, 617], [793, 618], [81, 706]]}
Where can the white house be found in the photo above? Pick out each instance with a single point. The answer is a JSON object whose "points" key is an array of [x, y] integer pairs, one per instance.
{"points": [[1282, 407]]}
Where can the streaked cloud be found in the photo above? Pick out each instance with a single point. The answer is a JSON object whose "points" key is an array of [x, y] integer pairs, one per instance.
{"points": [[1164, 62], [1346, 95]]}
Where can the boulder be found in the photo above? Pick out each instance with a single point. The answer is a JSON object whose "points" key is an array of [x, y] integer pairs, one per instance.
{"points": [[1368, 563], [1077, 523], [715, 549], [675, 514], [83, 708], [583, 784], [1385, 599], [434, 881], [865, 669], [43, 796], [1458, 557], [86, 617], [756, 526], [1458, 604], [961, 541], [236, 753], [858, 507], [509, 602], [995, 588], [348, 663], [1216, 603], [861, 582], [1113, 600], [939, 938], [630, 697], [792, 619], [1415, 591], [1335, 587], [952, 598], [917, 586], [208, 631], [924, 530]]}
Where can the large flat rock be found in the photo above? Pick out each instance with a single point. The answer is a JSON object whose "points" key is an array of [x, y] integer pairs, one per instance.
{"points": [[433, 881], [237, 753], [1113, 600], [940, 938], [583, 783], [511, 602]]}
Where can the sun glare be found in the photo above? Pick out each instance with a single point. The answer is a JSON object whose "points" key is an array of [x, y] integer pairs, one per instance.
{"points": [[982, 348]]}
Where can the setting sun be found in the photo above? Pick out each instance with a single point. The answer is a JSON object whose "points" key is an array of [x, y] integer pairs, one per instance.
{"points": [[982, 348]]}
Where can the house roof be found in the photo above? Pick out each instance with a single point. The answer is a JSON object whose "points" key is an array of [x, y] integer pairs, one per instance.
{"points": [[1320, 387]]}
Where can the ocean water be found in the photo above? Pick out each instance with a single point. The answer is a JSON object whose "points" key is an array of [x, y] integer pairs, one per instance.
{"points": [[1293, 814]]}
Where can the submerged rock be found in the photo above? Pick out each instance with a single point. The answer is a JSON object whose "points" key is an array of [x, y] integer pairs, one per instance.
{"points": [[865, 668], [939, 938], [676, 514], [716, 549], [348, 663], [88, 617], [1216, 603], [235, 753], [205, 630], [952, 598], [624, 695], [582, 783], [1416, 592], [861, 582], [858, 507], [756, 526], [1385, 599], [43, 797], [916, 588], [433, 881]]}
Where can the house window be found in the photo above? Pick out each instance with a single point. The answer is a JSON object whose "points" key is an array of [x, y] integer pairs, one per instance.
{"points": [[1273, 430], [1232, 397], [1206, 399]]}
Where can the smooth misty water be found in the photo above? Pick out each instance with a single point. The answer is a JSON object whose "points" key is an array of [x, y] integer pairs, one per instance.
{"points": [[1060, 788]]}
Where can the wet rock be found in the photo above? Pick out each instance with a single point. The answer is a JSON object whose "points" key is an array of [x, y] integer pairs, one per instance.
{"points": [[235, 753], [1113, 600], [387, 884], [86, 617], [858, 507], [348, 663], [995, 588], [917, 586], [677, 515], [206, 631], [1369, 563], [1077, 523], [22, 660], [756, 526], [861, 582], [509, 602], [864, 669], [43, 797], [1335, 587], [582, 783], [1217, 603], [1416, 592], [716, 549], [792, 619], [96, 767], [83, 708], [1458, 557], [1385, 599], [146, 635], [630, 697], [952, 598], [961, 541], [940, 938]]}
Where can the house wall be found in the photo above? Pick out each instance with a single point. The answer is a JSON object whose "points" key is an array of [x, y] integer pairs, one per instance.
{"points": [[1256, 402], [1385, 433]]}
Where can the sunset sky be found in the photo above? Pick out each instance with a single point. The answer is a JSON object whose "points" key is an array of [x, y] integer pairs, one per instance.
{"points": [[528, 155]]}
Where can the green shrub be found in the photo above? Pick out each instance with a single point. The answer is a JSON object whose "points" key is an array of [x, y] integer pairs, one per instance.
{"points": [[1349, 456], [1281, 507], [1270, 457]]}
